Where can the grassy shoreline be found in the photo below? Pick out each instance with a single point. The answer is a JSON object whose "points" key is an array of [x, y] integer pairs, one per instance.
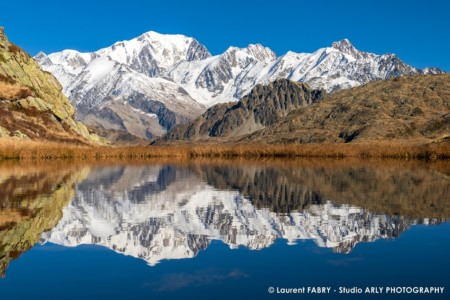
{"points": [[31, 150]]}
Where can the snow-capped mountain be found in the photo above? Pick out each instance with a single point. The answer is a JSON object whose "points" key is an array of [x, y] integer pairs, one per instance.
{"points": [[189, 74], [163, 212], [119, 87]]}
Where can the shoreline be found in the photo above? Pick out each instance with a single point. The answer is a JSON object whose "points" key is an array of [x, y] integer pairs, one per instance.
{"points": [[37, 150]]}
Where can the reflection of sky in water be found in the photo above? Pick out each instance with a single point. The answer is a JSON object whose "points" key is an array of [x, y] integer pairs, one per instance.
{"points": [[204, 230], [90, 272]]}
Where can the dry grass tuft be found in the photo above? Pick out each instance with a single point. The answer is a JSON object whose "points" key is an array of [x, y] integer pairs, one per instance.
{"points": [[13, 91]]}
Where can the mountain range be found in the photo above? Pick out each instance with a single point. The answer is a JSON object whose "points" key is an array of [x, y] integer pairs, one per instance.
{"points": [[146, 86]]}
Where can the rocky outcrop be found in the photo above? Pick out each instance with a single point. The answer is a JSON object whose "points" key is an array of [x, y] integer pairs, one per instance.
{"points": [[264, 106], [31, 100]]}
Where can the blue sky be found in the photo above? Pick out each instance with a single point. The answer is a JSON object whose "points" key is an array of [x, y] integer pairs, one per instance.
{"points": [[417, 31]]}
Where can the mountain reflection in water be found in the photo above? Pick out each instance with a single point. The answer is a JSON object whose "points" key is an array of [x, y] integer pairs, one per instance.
{"points": [[158, 212]]}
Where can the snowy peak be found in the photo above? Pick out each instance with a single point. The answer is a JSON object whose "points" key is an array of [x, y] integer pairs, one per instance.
{"points": [[343, 45], [43, 59], [152, 53], [260, 52], [255, 51], [346, 47], [72, 60]]}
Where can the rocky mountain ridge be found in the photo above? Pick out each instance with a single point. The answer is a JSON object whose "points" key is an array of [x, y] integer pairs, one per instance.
{"points": [[411, 108], [262, 107]]}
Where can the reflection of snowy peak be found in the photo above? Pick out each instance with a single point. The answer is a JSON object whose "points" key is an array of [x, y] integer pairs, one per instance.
{"points": [[200, 79], [157, 213]]}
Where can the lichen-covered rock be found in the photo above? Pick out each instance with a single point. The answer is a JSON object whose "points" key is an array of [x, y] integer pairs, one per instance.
{"points": [[19, 70], [4, 133], [21, 67], [20, 135], [36, 103]]}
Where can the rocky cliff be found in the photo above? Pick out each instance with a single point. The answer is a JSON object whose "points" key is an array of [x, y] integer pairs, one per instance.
{"points": [[32, 105]]}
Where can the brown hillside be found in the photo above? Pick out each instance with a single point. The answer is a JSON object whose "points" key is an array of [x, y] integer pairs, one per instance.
{"points": [[411, 108]]}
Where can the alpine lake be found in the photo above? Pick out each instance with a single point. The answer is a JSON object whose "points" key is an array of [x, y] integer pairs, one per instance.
{"points": [[225, 229]]}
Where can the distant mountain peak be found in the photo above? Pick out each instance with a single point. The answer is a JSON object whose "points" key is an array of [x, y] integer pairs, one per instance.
{"points": [[261, 52], [342, 44], [257, 51], [346, 47], [41, 55]]}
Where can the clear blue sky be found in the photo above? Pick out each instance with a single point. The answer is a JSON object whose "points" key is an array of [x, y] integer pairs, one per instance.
{"points": [[417, 31]]}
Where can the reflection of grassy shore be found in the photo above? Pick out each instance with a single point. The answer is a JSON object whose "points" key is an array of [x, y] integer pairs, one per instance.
{"points": [[30, 150]]}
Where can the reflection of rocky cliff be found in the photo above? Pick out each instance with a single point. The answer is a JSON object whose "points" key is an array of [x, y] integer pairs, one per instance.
{"points": [[166, 212], [31, 202]]}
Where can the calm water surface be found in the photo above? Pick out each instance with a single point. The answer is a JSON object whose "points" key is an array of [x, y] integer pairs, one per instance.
{"points": [[224, 230]]}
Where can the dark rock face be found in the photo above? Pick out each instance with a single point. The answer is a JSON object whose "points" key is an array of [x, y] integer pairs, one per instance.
{"points": [[264, 106]]}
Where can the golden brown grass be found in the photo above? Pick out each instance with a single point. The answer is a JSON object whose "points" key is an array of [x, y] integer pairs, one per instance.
{"points": [[13, 91], [26, 150]]}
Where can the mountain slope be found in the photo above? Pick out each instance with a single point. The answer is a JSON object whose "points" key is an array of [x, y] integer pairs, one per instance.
{"points": [[130, 101], [414, 108], [32, 105], [264, 106]]}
